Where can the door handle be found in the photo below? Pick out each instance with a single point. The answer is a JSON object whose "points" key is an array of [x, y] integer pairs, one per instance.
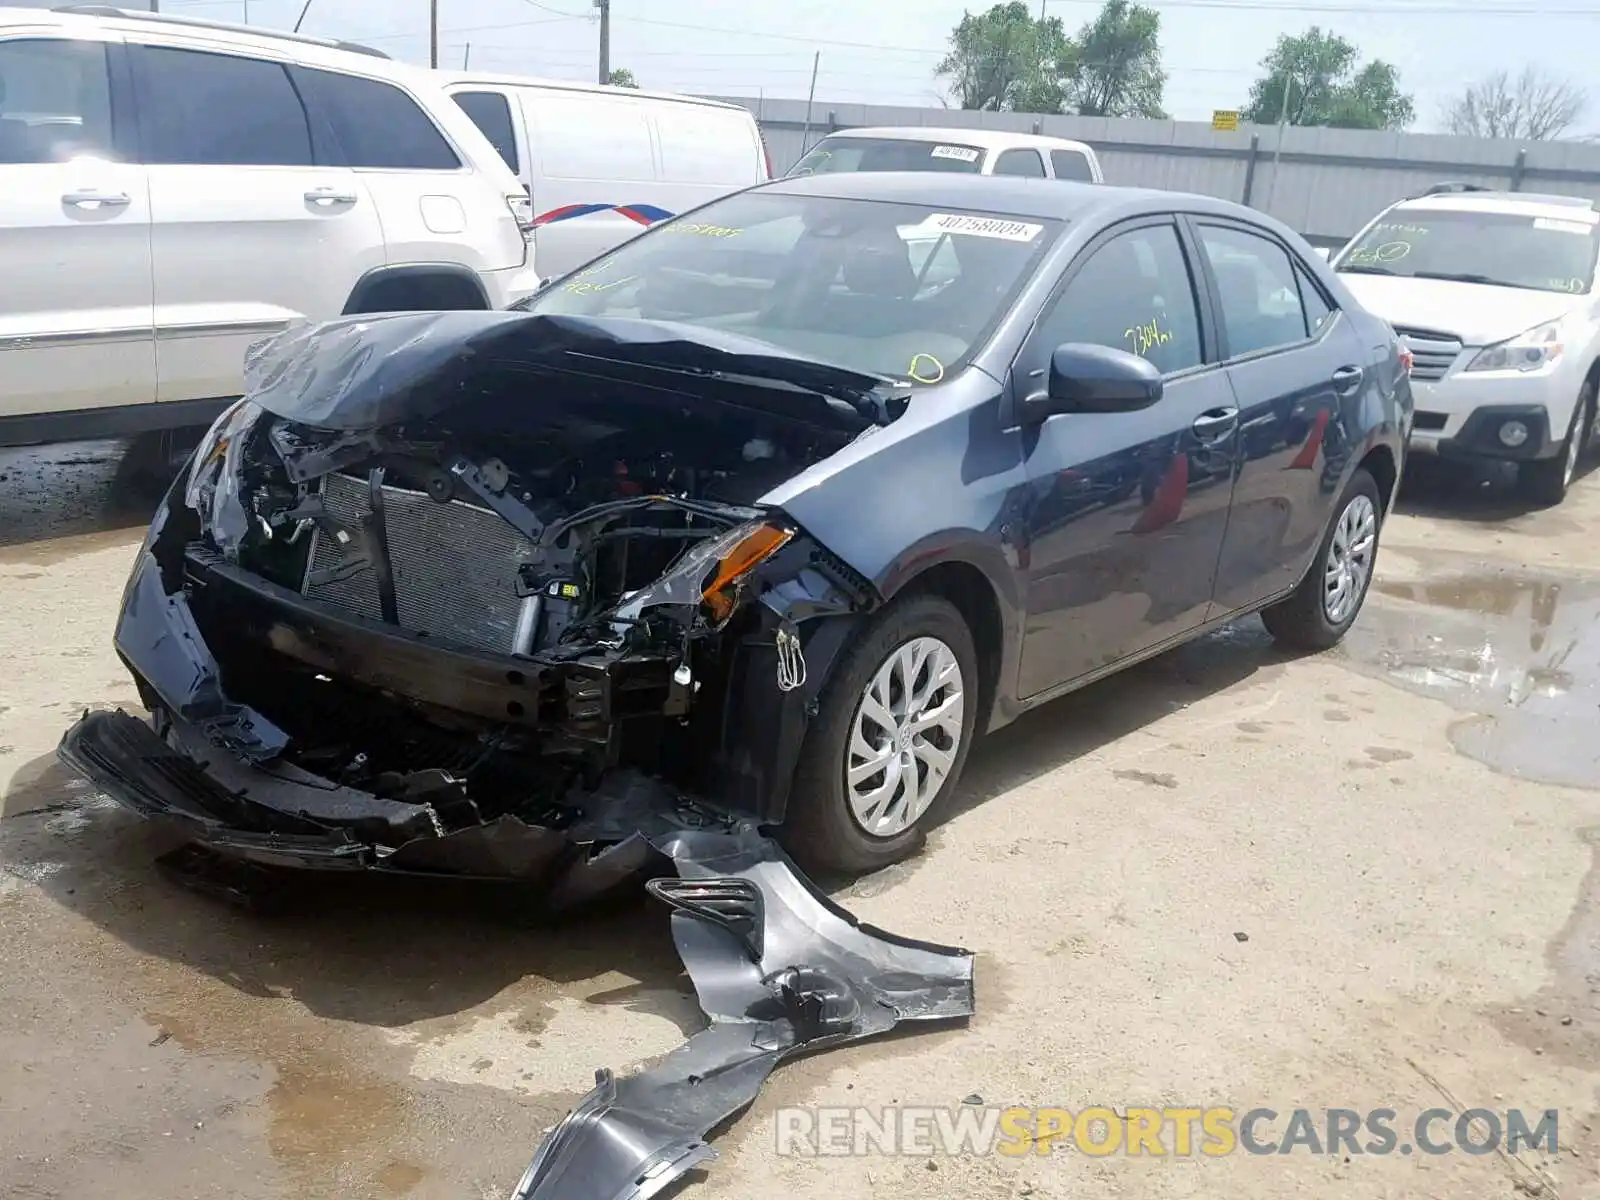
{"points": [[1215, 423], [327, 197], [1347, 379], [91, 199]]}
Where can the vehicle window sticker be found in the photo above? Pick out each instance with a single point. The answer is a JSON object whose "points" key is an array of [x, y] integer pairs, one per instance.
{"points": [[1551, 225], [959, 153], [989, 227]]}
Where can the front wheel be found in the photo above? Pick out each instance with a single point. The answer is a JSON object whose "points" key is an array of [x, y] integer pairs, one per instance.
{"points": [[1319, 612], [1546, 480], [889, 741]]}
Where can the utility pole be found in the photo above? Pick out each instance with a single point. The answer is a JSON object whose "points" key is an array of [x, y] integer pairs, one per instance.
{"points": [[433, 34], [466, 56], [247, 12], [1277, 147], [605, 39], [805, 134]]}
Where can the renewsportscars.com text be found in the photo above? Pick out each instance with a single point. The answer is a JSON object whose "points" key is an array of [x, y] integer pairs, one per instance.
{"points": [[1212, 1132]]}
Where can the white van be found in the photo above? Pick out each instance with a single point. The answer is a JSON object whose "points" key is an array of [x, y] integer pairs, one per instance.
{"points": [[604, 163], [964, 151]]}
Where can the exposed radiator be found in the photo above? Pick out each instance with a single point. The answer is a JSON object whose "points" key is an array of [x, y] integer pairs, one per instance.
{"points": [[455, 565]]}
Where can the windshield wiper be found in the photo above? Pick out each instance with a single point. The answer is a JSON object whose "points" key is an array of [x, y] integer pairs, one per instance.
{"points": [[1365, 271], [1462, 277]]}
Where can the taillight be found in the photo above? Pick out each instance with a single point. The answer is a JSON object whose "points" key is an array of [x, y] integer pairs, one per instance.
{"points": [[521, 206], [1405, 359], [766, 155]]}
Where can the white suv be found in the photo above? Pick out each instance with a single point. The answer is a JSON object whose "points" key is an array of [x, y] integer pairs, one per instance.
{"points": [[173, 190], [1495, 294]]}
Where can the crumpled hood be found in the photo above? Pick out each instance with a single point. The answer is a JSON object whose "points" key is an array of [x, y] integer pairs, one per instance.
{"points": [[364, 372], [1477, 313]]}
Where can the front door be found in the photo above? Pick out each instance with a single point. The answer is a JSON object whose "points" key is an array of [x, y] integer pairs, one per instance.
{"points": [[75, 308], [252, 226], [1128, 510], [1296, 366]]}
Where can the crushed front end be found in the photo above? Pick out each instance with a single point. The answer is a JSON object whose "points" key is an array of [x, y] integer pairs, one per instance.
{"points": [[443, 589]]}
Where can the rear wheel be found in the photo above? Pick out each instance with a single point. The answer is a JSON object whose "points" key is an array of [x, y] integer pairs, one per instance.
{"points": [[1320, 611], [889, 741], [1546, 480]]}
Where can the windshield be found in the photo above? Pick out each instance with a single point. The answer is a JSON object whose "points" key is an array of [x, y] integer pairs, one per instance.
{"points": [[843, 154], [906, 291], [1479, 247]]}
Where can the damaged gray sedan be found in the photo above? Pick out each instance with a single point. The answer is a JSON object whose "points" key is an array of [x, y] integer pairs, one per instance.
{"points": [[775, 506]]}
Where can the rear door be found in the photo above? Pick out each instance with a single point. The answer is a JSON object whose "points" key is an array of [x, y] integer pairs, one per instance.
{"points": [[253, 223], [1297, 369], [433, 206], [76, 319]]}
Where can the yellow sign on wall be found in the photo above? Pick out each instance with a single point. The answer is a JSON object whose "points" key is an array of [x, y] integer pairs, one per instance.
{"points": [[1225, 120]]}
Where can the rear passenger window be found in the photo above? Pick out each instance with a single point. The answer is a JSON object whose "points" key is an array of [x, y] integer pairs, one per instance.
{"points": [[55, 101], [376, 124], [1317, 309], [1020, 162], [1069, 164], [1257, 288], [216, 109], [1134, 293], [491, 113]]}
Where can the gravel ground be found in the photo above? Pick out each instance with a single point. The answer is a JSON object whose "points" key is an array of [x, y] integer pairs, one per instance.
{"points": [[1364, 879]]}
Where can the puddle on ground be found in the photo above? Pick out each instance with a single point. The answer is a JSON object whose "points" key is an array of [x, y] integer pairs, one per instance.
{"points": [[1521, 651]]}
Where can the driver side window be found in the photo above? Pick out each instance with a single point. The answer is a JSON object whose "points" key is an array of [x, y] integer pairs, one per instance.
{"points": [[1134, 293]]}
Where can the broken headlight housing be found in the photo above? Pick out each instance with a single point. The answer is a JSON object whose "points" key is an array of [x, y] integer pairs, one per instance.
{"points": [[213, 486], [1538, 347], [713, 571]]}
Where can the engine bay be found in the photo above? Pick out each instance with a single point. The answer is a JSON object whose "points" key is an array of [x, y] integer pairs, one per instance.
{"points": [[608, 553]]}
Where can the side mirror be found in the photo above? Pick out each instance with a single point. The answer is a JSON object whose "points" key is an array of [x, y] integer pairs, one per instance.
{"points": [[1099, 379]]}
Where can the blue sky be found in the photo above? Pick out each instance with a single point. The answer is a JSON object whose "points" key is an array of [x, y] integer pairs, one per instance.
{"points": [[884, 52]]}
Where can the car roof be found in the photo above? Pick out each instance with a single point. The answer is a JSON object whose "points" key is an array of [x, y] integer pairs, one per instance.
{"points": [[987, 139], [83, 19], [1522, 204], [1007, 195], [502, 79]]}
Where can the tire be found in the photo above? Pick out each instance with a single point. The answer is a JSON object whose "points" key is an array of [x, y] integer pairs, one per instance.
{"points": [[1546, 480], [1307, 620], [822, 831]]}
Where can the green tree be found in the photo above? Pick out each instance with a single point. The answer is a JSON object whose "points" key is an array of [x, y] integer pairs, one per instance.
{"points": [[1117, 63], [1006, 58], [1327, 85], [622, 77]]}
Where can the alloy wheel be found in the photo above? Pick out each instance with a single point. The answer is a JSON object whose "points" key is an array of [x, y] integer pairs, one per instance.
{"points": [[905, 736], [1350, 555]]}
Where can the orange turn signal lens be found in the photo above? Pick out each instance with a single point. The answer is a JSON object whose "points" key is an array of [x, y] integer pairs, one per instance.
{"points": [[747, 554]]}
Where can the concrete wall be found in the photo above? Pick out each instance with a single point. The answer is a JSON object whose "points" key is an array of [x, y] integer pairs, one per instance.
{"points": [[1330, 180]]}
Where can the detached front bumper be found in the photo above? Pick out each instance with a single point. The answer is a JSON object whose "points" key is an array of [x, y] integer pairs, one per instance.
{"points": [[215, 769]]}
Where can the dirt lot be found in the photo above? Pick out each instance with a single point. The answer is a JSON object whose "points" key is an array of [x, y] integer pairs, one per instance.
{"points": [[1403, 830]]}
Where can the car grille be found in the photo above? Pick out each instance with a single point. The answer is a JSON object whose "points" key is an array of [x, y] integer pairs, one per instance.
{"points": [[1432, 353], [455, 565]]}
